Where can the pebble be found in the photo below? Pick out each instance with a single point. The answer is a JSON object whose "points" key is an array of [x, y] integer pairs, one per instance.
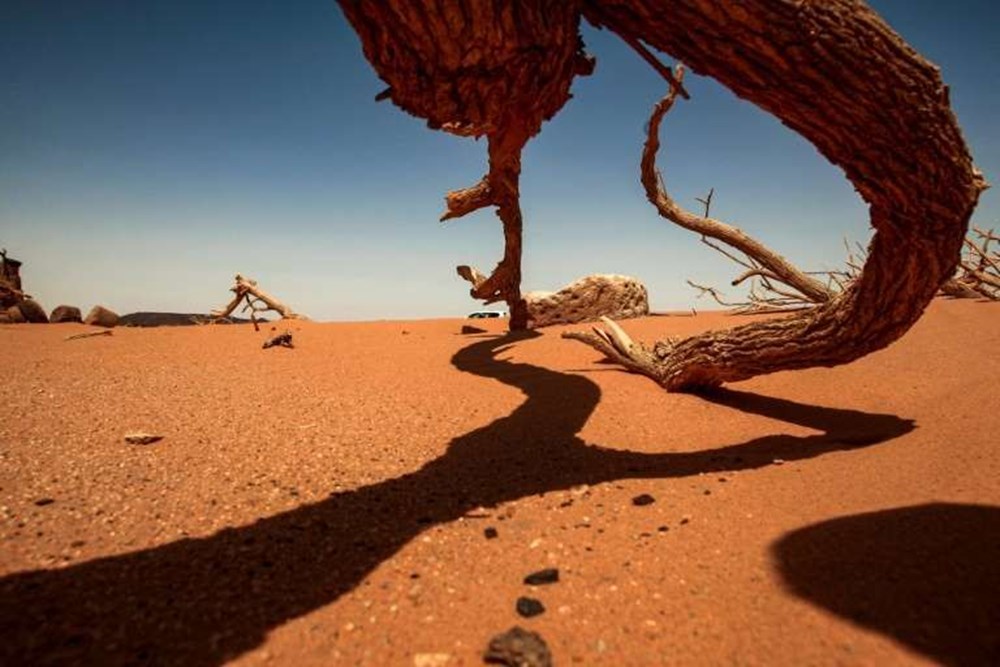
{"points": [[528, 607], [549, 575], [643, 499], [518, 648], [42, 502], [491, 533], [431, 659], [142, 438]]}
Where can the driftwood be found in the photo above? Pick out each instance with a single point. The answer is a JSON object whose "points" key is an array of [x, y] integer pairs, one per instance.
{"points": [[281, 340], [832, 71], [257, 301], [91, 334]]}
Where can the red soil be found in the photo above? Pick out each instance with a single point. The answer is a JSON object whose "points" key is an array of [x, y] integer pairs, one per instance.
{"points": [[327, 504]]}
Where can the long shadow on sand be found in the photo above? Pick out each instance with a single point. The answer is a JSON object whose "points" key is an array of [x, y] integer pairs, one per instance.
{"points": [[927, 575], [203, 601]]}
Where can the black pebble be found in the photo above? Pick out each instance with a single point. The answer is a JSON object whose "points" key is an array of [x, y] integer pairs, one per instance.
{"points": [[549, 575], [491, 533], [643, 499], [529, 607], [42, 502]]}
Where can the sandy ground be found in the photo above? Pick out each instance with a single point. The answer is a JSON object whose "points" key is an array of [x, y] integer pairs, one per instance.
{"points": [[328, 504]]}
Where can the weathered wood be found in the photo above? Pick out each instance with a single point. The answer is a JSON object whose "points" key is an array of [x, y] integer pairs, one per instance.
{"points": [[247, 290], [832, 71]]}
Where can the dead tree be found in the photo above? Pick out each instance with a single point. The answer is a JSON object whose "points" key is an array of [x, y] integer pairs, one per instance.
{"points": [[256, 301], [832, 71]]}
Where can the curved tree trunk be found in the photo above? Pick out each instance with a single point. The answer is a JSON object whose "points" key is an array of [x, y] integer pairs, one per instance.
{"points": [[831, 70], [836, 74]]}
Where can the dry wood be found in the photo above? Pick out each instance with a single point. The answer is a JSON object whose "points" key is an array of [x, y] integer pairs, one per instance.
{"points": [[91, 334], [257, 300], [832, 71], [281, 340]]}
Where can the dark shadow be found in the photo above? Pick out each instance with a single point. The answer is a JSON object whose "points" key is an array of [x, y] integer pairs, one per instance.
{"points": [[928, 576], [203, 601]]}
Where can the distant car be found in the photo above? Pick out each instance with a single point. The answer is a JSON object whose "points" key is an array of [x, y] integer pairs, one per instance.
{"points": [[486, 314]]}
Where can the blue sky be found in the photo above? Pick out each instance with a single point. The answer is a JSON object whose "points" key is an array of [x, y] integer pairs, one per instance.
{"points": [[150, 150]]}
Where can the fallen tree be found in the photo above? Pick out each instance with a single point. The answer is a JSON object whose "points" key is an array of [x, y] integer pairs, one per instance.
{"points": [[832, 71], [255, 301]]}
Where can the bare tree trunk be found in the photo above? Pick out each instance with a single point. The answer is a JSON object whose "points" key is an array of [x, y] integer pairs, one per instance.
{"points": [[479, 67], [836, 74], [830, 70]]}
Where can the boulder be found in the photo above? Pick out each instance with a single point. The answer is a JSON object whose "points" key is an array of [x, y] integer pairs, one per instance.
{"points": [[101, 317], [65, 314], [14, 315], [588, 299], [32, 311]]}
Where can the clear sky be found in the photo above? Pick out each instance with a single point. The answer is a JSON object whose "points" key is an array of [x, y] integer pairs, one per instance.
{"points": [[150, 150]]}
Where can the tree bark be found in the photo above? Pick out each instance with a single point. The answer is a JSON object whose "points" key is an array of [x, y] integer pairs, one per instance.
{"points": [[834, 72], [830, 70]]}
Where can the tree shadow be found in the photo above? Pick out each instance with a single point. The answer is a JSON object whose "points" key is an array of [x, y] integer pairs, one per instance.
{"points": [[206, 600], [927, 575]]}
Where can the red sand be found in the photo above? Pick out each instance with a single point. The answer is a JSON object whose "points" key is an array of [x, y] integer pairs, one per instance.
{"points": [[327, 504]]}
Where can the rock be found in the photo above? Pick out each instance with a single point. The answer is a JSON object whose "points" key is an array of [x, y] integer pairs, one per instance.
{"points": [[518, 648], [431, 659], [15, 315], [102, 317], [643, 499], [42, 502], [4, 317], [549, 575], [65, 314], [142, 438], [588, 299], [491, 533], [467, 329], [32, 311], [529, 607]]}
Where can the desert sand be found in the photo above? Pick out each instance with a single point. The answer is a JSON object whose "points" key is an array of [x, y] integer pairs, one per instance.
{"points": [[329, 504]]}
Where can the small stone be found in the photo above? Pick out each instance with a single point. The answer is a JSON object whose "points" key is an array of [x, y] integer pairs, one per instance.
{"points": [[491, 533], [663, 529], [529, 607], [778, 462], [518, 648], [142, 438], [643, 499], [685, 519], [549, 575], [431, 659], [42, 502]]}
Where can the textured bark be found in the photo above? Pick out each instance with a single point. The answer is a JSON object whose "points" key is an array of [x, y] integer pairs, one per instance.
{"points": [[772, 265], [831, 70], [247, 289], [834, 72], [474, 68]]}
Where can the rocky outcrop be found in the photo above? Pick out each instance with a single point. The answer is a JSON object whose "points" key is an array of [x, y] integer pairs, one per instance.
{"points": [[65, 314], [14, 315], [588, 299], [102, 317], [32, 311]]}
